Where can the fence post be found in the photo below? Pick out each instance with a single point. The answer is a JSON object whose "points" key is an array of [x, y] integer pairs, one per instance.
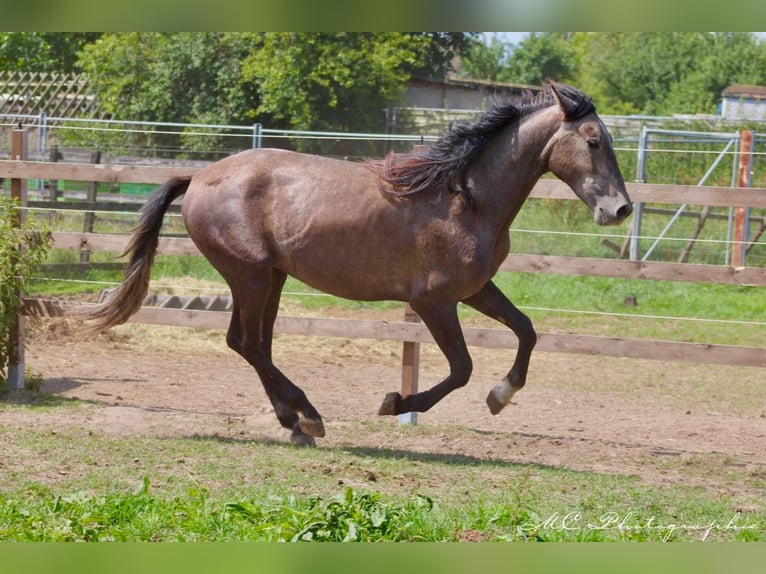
{"points": [[638, 208], [410, 355], [53, 184], [257, 136], [89, 217], [739, 237], [16, 336], [410, 367]]}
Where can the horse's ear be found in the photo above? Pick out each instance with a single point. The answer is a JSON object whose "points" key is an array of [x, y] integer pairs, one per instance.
{"points": [[550, 85], [570, 100], [559, 94]]}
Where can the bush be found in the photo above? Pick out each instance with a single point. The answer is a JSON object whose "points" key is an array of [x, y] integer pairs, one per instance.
{"points": [[22, 250]]}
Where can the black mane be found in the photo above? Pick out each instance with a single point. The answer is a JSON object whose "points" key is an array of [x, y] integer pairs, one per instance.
{"points": [[446, 161]]}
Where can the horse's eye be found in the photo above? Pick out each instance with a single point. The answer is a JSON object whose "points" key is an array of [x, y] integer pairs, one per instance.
{"points": [[593, 143]]}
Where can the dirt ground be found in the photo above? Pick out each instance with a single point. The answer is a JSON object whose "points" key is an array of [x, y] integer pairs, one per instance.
{"points": [[667, 423]]}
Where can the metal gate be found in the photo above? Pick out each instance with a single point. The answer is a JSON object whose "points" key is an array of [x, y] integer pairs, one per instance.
{"points": [[732, 149]]}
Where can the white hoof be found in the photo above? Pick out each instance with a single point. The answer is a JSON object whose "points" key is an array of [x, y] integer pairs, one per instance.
{"points": [[500, 396]]}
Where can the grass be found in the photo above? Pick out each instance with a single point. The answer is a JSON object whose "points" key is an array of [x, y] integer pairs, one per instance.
{"points": [[603, 308], [67, 484], [212, 489]]}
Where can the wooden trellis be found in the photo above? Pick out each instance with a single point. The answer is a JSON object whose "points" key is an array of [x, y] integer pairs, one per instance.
{"points": [[58, 95]]}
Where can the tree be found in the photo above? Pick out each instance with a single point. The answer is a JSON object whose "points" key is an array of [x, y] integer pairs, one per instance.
{"points": [[729, 58], [666, 72], [485, 61], [16, 268], [659, 73], [42, 51], [342, 81], [309, 81], [180, 77], [437, 51], [539, 57]]}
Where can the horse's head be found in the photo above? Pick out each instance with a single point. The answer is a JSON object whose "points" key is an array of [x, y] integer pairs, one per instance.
{"points": [[581, 155]]}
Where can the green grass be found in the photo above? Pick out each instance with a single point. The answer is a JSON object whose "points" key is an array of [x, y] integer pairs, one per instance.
{"points": [[212, 489], [588, 305], [664, 299]]}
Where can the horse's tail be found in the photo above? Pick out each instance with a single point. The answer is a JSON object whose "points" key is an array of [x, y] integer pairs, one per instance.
{"points": [[126, 299]]}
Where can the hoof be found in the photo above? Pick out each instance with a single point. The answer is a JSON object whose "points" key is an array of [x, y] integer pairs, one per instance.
{"points": [[494, 403], [298, 438], [311, 427], [390, 403]]}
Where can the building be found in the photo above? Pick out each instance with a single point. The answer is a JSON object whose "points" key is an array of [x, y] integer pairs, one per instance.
{"points": [[457, 94], [429, 105], [744, 102]]}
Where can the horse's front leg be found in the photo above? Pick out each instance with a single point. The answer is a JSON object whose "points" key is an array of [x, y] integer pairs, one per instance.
{"points": [[442, 322], [492, 302]]}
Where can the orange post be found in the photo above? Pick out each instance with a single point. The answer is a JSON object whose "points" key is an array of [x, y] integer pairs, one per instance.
{"points": [[738, 246]]}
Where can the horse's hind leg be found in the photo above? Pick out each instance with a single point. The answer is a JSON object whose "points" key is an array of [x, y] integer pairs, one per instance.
{"points": [[287, 418], [286, 415], [492, 302], [234, 335], [278, 279], [250, 334]]}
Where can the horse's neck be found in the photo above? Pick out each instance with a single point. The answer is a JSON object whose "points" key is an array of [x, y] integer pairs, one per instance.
{"points": [[512, 164]]}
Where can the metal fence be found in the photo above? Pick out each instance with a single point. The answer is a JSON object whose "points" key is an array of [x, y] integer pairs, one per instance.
{"points": [[655, 154]]}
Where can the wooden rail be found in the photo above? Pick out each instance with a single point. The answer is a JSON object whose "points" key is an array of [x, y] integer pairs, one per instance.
{"points": [[551, 264], [413, 332], [545, 188], [418, 333]]}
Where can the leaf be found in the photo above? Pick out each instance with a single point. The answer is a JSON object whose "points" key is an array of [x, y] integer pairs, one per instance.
{"points": [[145, 487], [352, 533], [378, 516]]}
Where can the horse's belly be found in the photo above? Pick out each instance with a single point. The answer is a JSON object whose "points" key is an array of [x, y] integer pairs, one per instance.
{"points": [[350, 277], [368, 276]]}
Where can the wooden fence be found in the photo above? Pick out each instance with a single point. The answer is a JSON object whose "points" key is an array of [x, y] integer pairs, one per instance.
{"points": [[410, 331]]}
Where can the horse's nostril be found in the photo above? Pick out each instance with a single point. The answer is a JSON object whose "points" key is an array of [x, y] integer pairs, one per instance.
{"points": [[624, 211]]}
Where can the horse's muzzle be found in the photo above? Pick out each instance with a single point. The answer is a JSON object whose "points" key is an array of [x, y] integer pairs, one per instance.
{"points": [[613, 214]]}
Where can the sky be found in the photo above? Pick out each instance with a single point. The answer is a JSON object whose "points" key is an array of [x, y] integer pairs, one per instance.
{"points": [[512, 37], [516, 37]]}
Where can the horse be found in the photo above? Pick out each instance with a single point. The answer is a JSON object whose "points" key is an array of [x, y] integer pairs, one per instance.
{"points": [[429, 227]]}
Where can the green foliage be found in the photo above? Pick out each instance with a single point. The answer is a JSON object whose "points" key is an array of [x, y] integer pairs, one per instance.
{"points": [[657, 73], [342, 81], [486, 61], [356, 516], [542, 56], [181, 77], [16, 266], [663, 73], [538, 57], [317, 81], [42, 51], [347, 517], [632, 72], [330, 80]]}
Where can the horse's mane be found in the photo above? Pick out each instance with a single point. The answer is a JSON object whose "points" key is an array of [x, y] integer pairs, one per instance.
{"points": [[446, 161]]}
